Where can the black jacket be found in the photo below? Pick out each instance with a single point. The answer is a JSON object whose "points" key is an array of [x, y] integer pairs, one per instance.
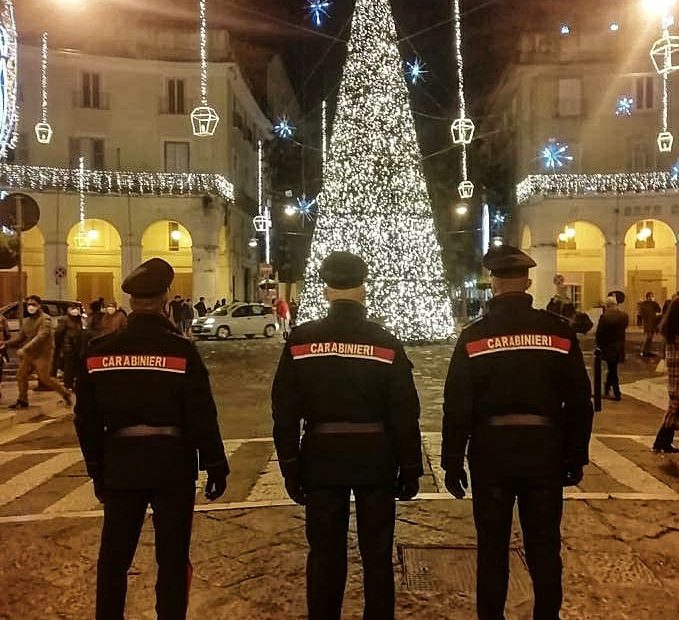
{"points": [[517, 360], [146, 374], [345, 368], [610, 335]]}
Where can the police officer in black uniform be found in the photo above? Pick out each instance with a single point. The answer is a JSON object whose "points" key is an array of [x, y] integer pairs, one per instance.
{"points": [[351, 383], [518, 392], [145, 417]]}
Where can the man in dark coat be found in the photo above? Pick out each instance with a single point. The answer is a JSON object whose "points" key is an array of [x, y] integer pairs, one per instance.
{"points": [[518, 393], [650, 312], [146, 420], [200, 307], [351, 383], [610, 339]]}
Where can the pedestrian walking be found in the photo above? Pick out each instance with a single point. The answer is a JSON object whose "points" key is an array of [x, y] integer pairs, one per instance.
{"points": [[351, 383], [282, 315], [114, 319], [294, 308], [145, 418], [650, 313], [95, 320], [610, 339], [175, 310], [200, 307], [188, 313], [4, 338], [34, 348], [69, 344], [518, 393], [669, 328]]}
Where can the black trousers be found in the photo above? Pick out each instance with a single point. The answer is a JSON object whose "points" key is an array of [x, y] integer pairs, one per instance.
{"points": [[540, 508], [612, 380], [327, 524], [124, 512]]}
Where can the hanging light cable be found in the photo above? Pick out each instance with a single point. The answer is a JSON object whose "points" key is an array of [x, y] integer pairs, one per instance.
{"points": [[204, 119], [43, 131], [82, 189]]}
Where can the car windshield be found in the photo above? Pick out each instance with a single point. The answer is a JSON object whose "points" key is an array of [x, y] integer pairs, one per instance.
{"points": [[221, 311]]}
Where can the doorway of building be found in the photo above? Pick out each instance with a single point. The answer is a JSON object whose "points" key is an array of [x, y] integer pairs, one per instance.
{"points": [[93, 285]]}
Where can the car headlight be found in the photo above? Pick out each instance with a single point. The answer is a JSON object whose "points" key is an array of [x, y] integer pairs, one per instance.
{"points": [[209, 321]]}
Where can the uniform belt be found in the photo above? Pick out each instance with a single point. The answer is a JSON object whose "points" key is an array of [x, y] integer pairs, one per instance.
{"points": [[520, 419], [142, 430], [351, 428]]}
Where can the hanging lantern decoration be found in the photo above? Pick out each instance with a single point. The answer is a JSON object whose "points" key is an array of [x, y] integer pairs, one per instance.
{"points": [[260, 223], [43, 131], [466, 190], [665, 57], [665, 142], [9, 114], [463, 131], [204, 119]]}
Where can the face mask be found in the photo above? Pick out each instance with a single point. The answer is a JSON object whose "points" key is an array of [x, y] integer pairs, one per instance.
{"points": [[110, 310], [74, 312], [32, 309]]}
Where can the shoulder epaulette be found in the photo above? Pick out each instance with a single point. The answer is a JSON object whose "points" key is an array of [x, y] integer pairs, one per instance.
{"points": [[562, 319]]}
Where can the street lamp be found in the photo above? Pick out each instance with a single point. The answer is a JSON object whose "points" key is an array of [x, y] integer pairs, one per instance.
{"points": [[461, 209], [290, 210], [253, 242], [658, 8]]}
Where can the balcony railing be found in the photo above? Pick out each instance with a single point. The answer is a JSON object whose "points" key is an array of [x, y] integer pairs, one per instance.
{"points": [[573, 185], [113, 182]]}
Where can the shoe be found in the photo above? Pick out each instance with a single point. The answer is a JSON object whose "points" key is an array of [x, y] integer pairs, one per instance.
{"points": [[666, 450], [19, 404], [617, 397]]}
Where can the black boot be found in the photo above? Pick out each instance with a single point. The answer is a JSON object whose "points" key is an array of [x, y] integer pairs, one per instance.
{"points": [[19, 404], [663, 442]]}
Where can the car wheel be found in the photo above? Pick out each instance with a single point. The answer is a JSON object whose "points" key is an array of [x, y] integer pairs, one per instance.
{"points": [[249, 336], [270, 331], [223, 332]]}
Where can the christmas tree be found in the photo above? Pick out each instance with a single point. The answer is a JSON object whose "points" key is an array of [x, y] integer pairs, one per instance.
{"points": [[374, 200]]}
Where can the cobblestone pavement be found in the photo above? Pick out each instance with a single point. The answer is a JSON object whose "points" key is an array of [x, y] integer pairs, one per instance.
{"points": [[621, 526]]}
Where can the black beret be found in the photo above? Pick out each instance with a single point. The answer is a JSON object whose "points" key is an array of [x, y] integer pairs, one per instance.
{"points": [[343, 270], [508, 262], [150, 279]]}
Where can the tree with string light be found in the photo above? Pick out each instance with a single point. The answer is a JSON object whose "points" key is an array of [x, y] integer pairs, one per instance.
{"points": [[374, 201]]}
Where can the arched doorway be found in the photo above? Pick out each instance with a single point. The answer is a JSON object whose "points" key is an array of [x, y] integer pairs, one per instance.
{"points": [[580, 260], [526, 240], [172, 242], [94, 261], [33, 258], [650, 260]]}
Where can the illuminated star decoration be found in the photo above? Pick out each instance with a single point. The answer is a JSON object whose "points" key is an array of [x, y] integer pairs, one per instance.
{"points": [[499, 219], [555, 155], [318, 11], [305, 207], [675, 171], [416, 71], [284, 129], [624, 106]]}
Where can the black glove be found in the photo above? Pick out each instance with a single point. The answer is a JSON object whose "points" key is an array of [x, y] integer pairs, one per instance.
{"points": [[572, 475], [293, 485], [98, 489], [408, 484], [216, 481], [456, 482]]}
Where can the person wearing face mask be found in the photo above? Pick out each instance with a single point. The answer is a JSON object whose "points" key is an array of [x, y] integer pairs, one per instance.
{"points": [[34, 347], [69, 342], [114, 319]]}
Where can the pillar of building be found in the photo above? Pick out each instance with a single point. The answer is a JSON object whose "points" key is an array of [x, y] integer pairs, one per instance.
{"points": [[543, 275], [130, 257], [615, 266], [56, 266], [676, 259], [205, 272]]}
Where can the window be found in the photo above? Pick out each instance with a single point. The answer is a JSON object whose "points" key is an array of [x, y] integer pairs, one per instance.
{"points": [[644, 91], [174, 236], [91, 93], [570, 97], [177, 157], [90, 148], [644, 239], [241, 312], [640, 157], [257, 310], [175, 97]]}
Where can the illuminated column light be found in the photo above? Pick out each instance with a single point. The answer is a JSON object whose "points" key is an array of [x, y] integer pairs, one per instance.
{"points": [[324, 134], [9, 115], [204, 119], [462, 128], [43, 131]]}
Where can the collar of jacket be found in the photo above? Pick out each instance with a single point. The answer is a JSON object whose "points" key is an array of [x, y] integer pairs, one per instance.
{"points": [[145, 319], [509, 301], [346, 309]]}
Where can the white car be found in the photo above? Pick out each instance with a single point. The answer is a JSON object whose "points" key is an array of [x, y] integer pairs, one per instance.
{"points": [[237, 319]]}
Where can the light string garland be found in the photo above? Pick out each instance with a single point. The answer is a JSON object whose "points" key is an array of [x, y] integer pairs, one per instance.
{"points": [[9, 114], [462, 127], [374, 200], [43, 130], [557, 185], [204, 119], [82, 190], [262, 221], [115, 182], [324, 135]]}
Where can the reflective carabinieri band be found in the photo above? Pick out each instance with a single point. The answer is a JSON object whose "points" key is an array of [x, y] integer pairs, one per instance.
{"points": [[142, 430], [350, 428], [520, 419]]}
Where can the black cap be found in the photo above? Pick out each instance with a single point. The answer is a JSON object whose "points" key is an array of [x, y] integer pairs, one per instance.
{"points": [[150, 279], [343, 270], [506, 261]]}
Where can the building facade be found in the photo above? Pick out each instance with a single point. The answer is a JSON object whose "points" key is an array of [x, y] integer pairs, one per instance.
{"points": [[149, 187], [576, 116]]}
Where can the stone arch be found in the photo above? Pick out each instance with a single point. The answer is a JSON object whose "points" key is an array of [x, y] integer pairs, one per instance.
{"points": [[171, 241], [94, 261], [33, 267], [650, 260], [581, 261]]}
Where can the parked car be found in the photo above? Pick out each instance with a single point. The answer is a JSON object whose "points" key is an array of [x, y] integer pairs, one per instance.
{"points": [[50, 306], [237, 319]]}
